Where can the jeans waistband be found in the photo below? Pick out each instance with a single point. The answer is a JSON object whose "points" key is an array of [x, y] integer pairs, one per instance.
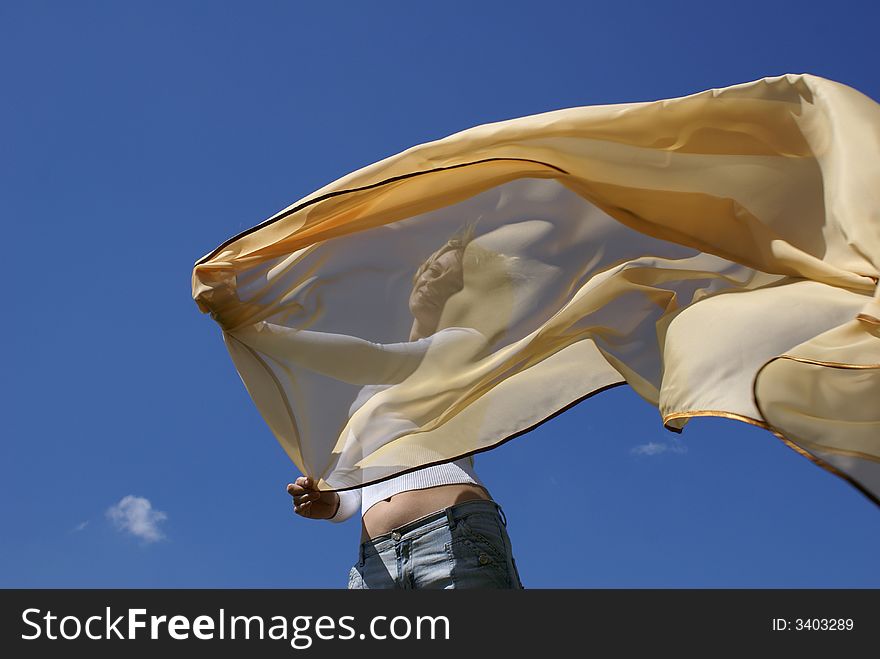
{"points": [[428, 523]]}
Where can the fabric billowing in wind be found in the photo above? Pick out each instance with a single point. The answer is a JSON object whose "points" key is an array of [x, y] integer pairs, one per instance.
{"points": [[717, 252]]}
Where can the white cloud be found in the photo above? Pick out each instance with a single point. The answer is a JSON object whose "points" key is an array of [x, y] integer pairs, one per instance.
{"points": [[656, 448], [135, 515], [80, 526]]}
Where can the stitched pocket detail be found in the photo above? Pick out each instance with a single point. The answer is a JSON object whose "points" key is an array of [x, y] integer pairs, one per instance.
{"points": [[479, 555], [481, 533]]}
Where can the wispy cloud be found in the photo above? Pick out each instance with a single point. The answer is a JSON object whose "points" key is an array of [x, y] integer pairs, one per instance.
{"points": [[135, 515], [656, 448], [80, 526]]}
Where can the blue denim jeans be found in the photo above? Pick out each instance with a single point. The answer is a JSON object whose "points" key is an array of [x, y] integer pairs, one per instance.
{"points": [[463, 546]]}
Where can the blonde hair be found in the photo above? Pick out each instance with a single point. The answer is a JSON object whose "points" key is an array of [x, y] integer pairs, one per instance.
{"points": [[486, 303], [457, 242]]}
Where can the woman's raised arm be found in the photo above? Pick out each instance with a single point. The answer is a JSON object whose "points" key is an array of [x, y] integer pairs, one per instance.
{"points": [[347, 358]]}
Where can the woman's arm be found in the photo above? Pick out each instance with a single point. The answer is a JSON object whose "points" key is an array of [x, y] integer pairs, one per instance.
{"points": [[349, 504], [346, 358], [316, 504]]}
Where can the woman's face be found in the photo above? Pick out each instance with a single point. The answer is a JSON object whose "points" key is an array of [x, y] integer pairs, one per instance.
{"points": [[439, 281]]}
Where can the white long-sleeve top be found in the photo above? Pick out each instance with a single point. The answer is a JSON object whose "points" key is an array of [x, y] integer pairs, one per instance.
{"points": [[460, 471], [377, 366]]}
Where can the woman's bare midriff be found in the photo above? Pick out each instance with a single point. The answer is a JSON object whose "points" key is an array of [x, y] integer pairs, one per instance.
{"points": [[405, 507]]}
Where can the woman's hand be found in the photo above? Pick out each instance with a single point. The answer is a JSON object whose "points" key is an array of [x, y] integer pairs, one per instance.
{"points": [[310, 502]]}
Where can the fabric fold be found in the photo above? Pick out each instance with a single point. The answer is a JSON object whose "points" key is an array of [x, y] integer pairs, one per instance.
{"points": [[716, 252]]}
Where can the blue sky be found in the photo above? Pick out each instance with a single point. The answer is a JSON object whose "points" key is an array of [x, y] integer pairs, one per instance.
{"points": [[138, 136]]}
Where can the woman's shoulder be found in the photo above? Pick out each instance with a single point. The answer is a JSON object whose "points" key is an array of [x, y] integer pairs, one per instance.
{"points": [[459, 332], [459, 328]]}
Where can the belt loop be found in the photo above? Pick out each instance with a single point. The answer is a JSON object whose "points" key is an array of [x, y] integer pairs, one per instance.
{"points": [[361, 558], [449, 518], [503, 516]]}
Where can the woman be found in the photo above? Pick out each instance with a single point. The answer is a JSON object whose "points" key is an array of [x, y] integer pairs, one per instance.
{"points": [[436, 527]]}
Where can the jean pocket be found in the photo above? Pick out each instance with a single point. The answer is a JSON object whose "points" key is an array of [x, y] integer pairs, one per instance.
{"points": [[486, 531], [479, 559], [485, 536]]}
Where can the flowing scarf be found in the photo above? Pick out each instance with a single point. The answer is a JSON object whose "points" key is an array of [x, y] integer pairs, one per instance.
{"points": [[717, 252]]}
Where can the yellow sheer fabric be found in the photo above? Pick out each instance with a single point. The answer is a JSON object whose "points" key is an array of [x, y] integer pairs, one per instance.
{"points": [[718, 252]]}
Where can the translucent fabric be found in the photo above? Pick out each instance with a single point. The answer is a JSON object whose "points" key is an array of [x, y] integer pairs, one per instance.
{"points": [[718, 252]]}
